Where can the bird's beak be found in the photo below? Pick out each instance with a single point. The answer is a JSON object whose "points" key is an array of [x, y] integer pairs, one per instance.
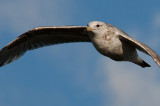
{"points": [[89, 28]]}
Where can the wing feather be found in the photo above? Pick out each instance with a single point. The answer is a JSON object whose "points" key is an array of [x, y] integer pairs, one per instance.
{"points": [[141, 46], [42, 36]]}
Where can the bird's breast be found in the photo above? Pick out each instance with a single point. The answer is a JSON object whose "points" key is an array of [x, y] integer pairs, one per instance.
{"points": [[109, 46]]}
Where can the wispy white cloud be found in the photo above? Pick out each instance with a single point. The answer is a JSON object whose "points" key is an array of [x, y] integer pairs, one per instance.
{"points": [[19, 15], [24, 15], [132, 86], [155, 26], [156, 20]]}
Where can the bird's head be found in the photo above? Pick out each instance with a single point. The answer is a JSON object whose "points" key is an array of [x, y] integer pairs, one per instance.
{"points": [[96, 28]]}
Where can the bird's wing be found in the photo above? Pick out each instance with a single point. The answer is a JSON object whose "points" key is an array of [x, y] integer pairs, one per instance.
{"points": [[42, 36], [140, 46]]}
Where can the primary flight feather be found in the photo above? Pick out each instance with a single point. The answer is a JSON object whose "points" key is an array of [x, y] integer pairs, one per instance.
{"points": [[107, 39]]}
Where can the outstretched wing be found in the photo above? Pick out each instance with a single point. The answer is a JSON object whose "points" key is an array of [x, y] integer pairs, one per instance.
{"points": [[39, 37], [141, 46]]}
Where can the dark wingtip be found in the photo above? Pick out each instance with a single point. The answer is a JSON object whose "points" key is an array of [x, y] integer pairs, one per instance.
{"points": [[144, 64]]}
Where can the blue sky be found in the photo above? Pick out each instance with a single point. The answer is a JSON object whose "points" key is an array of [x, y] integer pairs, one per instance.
{"points": [[76, 74]]}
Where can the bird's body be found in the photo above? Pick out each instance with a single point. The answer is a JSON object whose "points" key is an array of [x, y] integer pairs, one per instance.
{"points": [[107, 39], [109, 44]]}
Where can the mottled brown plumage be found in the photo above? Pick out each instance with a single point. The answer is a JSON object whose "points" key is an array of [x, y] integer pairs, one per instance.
{"points": [[39, 37]]}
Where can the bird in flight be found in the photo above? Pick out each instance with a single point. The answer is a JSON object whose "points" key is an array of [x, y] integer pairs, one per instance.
{"points": [[106, 38]]}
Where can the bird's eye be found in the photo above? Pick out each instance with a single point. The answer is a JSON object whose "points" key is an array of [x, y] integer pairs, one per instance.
{"points": [[97, 25]]}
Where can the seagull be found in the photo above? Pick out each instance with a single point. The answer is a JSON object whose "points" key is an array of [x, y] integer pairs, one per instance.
{"points": [[108, 40]]}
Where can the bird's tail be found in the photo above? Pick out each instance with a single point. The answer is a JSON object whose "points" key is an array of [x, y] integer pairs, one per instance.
{"points": [[143, 64]]}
